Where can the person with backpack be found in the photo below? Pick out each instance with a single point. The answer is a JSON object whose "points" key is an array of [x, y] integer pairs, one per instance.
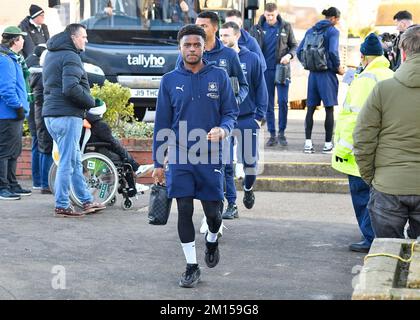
{"points": [[278, 44], [319, 53]]}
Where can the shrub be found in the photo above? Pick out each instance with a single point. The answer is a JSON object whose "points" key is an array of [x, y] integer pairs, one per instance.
{"points": [[26, 132], [119, 111], [137, 130]]}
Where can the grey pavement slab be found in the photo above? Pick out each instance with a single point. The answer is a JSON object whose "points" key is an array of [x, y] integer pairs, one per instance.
{"points": [[290, 246]]}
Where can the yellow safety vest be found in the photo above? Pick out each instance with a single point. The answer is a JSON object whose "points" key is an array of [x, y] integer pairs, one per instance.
{"points": [[359, 90]]}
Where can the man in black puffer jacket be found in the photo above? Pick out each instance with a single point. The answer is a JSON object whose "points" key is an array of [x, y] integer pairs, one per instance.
{"points": [[44, 143], [36, 29], [66, 99]]}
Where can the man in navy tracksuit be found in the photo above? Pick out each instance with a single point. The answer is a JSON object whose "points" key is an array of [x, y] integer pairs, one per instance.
{"points": [[246, 40], [225, 58], [251, 113], [278, 44], [323, 85], [196, 110]]}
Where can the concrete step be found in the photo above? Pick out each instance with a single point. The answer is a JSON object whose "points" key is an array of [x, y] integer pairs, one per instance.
{"points": [[384, 277], [299, 169], [299, 184]]}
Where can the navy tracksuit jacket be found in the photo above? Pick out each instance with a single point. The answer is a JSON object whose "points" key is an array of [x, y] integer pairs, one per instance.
{"points": [[227, 59], [187, 102], [323, 85], [254, 107]]}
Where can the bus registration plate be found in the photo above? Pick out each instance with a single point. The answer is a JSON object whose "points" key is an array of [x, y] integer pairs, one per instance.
{"points": [[144, 93]]}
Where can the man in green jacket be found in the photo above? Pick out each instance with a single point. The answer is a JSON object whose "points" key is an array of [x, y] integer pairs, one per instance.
{"points": [[387, 145], [375, 68]]}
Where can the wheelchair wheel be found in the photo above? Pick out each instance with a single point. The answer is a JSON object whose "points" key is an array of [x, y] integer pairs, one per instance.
{"points": [[127, 204], [113, 201], [101, 177], [51, 177]]}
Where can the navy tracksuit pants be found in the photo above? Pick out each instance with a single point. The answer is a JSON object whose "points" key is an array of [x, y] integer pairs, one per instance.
{"points": [[246, 135], [283, 100]]}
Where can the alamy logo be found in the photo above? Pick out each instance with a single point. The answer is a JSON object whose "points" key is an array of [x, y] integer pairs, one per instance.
{"points": [[58, 282], [150, 61], [180, 88]]}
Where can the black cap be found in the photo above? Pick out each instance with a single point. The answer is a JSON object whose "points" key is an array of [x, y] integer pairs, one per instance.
{"points": [[35, 11]]}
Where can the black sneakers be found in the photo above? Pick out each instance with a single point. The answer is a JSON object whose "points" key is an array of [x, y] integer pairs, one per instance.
{"points": [[191, 277], [212, 254], [362, 246], [272, 142], [231, 212], [21, 192], [283, 141], [249, 199], [5, 194]]}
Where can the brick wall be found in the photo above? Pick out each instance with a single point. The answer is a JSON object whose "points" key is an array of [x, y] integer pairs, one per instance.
{"points": [[140, 149]]}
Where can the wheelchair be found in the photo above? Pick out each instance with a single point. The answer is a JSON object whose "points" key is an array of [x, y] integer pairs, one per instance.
{"points": [[104, 172]]}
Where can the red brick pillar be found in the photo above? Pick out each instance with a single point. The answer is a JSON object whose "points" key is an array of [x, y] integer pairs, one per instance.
{"points": [[24, 165], [141, 150]]}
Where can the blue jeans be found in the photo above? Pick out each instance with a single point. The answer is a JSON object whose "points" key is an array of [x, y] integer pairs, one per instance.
{"points": [[46, 162], [360, 195], [282, 99], [66, 131], [36, 163]]}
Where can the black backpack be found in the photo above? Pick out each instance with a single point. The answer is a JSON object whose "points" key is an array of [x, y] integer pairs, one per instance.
{"points": [[314, 54]]}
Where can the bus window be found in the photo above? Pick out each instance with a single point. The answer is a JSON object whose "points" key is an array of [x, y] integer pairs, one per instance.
{"points": [[219, 4]]}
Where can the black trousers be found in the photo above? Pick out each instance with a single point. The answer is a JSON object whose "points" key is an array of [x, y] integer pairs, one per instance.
{"points": [[212, 210], [10, 150], [390, 213]]}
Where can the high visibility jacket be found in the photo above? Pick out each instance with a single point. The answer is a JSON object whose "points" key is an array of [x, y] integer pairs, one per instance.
{"points": [[343, 159]]}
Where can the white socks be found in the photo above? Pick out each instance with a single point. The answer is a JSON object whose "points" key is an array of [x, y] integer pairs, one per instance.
{"points": [[245, 189], [211, 237], [189, 252], [329, 145], [308, 143]]}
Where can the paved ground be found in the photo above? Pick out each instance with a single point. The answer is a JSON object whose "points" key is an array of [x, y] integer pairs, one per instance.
{"points": [[291, 246]]}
